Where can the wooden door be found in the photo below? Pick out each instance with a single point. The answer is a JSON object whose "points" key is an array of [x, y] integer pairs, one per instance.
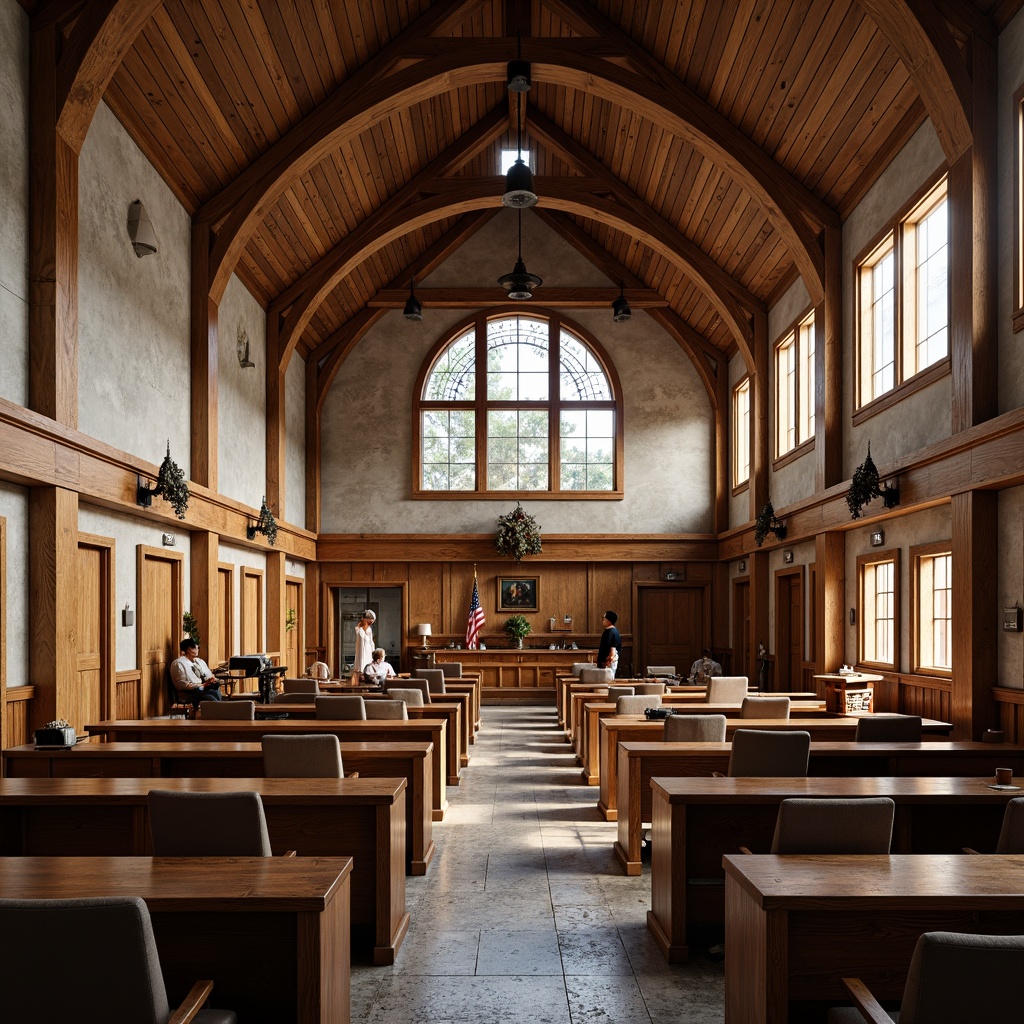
{"points": [[673, 626], [91, 701], [293, 645], [789, 631], [226, 611], [740, 665], [159, 628]]}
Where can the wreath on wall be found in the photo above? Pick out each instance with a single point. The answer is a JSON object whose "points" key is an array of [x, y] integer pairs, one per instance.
{"points": [[518, 534]]}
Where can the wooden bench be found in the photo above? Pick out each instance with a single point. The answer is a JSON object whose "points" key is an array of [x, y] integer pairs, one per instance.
{"points": [[411, 761], [638, 763], [795, 925], [423, 730], [272, 931], [359, 818], [697, 821]]}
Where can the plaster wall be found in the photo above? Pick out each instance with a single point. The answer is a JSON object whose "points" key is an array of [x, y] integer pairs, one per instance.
{"points": [[295, 442], [923, 417], [902, 533], [14, 611], [128, 532], [242, 398], [739, 504], [1010, 78], [240, 558], [133, 364], [1010, 585], [14, 203], [367, 432]]}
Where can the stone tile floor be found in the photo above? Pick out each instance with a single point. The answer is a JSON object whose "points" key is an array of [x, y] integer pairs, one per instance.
{"points": [[524, 916]]}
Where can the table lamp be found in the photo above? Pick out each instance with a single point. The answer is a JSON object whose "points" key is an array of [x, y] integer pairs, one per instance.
{"points": [[423, 630]]}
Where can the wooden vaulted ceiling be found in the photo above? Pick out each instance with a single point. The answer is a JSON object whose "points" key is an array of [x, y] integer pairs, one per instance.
{"points": [[409, 103]]}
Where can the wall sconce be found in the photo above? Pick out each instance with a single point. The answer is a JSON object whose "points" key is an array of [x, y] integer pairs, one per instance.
{"points": [[170, 485], [742, 567], [423, 630], [787, 557], [140, 230], [266, 524], [877, 538], [242, 348], [768, 522], [1012, 620], [866, 485]]}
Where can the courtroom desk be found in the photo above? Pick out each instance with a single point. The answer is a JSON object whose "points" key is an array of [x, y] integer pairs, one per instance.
{"points": [[453, 686], [626, 728], [411, 761], [272, 932], [796, 925], [638, 763], [359, 818], [515, 673], [697, 821], [450, 712], [423, 730]]}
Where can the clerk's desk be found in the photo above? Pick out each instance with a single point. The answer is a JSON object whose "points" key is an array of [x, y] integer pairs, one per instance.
{"points": [[359, 818], [795, 925], [411, 761], [272, 932], [183, 730], [697, 821]]}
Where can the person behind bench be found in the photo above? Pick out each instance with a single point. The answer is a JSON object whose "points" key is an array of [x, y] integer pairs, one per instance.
{"points": [[192, 677]]}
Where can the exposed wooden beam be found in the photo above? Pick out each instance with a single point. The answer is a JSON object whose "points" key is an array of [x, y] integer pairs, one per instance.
{"points": [[476, 298]]}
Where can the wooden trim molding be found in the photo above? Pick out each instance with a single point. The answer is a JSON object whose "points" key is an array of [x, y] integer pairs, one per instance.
{"points": [[1018, 211]]}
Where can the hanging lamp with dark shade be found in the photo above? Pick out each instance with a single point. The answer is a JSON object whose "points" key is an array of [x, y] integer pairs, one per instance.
{"points": [[520, 284], [519, 192], [620, 307], [413, 307]]}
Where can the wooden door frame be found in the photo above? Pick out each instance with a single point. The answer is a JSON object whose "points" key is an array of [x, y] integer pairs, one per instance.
{"points": [[300, 617], [229, 640], [107, 547], [144, 553], [789, 571], [748, 643], [3, 629], [329, 610], [640, 627], [261, 624]]}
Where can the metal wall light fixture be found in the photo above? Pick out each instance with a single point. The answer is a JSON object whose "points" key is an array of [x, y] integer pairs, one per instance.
{"points": [[266, 524], [520, 283], [170, 485], [620, 307], [140, 230], [413, 307]]}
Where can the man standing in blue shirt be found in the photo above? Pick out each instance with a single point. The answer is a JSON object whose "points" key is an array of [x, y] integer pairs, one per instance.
{"points": [[611, 643]]}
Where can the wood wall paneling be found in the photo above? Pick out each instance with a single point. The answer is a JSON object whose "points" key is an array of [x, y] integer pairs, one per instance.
{"points": [[93, 697], [160, 589], [225, 611], [251, 615], [204, 578]]}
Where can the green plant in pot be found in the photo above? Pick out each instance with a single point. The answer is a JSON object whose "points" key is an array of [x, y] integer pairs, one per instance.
{"points": [[190, 626], [517, 627]]}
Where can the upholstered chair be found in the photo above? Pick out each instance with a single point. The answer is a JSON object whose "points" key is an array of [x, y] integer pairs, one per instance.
{"points": [[302, 756], [192, 824], [451, 669], [727, 689], [297, 698], [407, 695], [646, 689], [695, 729], [244, 710], [434, 678], [347, 708], [388, 709], [636, 705], [764, 707], [417, 683], [1011, 835], [769, 753], [579, 666], [888, 729], [615, 692], [840, 826], [290, 686], [591, 674]]}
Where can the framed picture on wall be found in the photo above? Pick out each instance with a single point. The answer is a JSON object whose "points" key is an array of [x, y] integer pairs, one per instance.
{"points": [[518, 593]]}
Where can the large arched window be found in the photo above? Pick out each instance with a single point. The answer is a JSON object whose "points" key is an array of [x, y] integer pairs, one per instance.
{"points": [[517, 404]]}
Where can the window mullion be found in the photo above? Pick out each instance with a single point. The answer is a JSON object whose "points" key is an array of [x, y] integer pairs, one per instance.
{"points": [[480, 412]]}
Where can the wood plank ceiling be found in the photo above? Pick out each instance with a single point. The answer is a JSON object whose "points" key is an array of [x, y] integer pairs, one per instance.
{"points": [[211, 85]]}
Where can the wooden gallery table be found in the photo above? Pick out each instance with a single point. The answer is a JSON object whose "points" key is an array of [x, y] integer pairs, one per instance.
{"points": [[272, 932], [796, 925], [184, 730], [410, 761], [359, 818], [697, 821], [638, 763], [625, 728]]}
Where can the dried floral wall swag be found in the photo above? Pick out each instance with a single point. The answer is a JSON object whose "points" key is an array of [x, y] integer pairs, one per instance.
{"points": [[518, 534]]}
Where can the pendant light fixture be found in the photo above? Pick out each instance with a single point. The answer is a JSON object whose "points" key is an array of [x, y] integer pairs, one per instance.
{"points": [[520, 283], [413, 307], [519, 192], [620, 307]]}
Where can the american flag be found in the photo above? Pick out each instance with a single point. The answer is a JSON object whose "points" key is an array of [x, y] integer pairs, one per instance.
{"points": [[476, 617]]}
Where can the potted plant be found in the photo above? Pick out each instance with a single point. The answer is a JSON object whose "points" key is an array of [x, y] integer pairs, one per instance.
{"points": [[518, 534], [517, 627], [190, 626], [291, 619]]}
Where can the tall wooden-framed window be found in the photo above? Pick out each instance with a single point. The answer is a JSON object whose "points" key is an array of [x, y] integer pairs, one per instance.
{"points": [[902, 304], [933, 608], [515, 404], [794, 387], [878, 576], [1018, 210], [741, 433]]}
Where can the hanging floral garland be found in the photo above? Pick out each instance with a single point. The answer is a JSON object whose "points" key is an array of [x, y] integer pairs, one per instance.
{"points": [[518, 534]]}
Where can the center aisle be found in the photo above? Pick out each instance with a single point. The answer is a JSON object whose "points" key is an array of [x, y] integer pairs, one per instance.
{"points": [[523, 915]]}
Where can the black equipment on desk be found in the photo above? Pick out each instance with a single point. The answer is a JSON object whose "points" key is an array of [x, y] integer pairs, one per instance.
{"points": [[258, 666]]}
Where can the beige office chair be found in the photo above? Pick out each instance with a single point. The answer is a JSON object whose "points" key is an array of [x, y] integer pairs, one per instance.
{"points": [[347, 708], [695, 729], [93, 960], [661, 670], [407, 695], [218, 710], [592, 674], [302, 756], [410, 684], [187, 824], [291, 686], [451, 669], [764, 707], [579, 666], [434, 678], [319, 670], [888, 729], [834, 825], [646, 689], [769, 753], [952, 978], [727, 689], [636, 705], [615, 692], [297, 698], [386, 709]]}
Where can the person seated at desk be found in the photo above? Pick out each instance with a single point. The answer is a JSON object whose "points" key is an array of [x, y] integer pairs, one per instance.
{"points": [[377, 670], [192, 677], [704, 668]]}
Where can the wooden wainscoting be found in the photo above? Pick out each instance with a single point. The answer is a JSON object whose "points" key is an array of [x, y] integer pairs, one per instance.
{"points": [[17, 716], [910, 694], [1010, 708], [128, 694]]}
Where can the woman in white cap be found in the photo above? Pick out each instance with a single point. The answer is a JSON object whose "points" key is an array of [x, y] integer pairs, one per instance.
{"points": [[364, 640]]}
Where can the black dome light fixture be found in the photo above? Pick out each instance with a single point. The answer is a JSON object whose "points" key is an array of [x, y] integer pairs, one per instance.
{"points": [[620, 307], [519, 179], [520, 284], [413, 307]]}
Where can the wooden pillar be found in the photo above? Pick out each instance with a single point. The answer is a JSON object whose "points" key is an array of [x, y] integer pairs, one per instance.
{"points": [[203, 378], [828, 369], [975, 549], [760, 456], [759, 591], [53, 600], [203, 580], [276, 601], [275, 418], [830, 601], [723, 448], [312, 445]]}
